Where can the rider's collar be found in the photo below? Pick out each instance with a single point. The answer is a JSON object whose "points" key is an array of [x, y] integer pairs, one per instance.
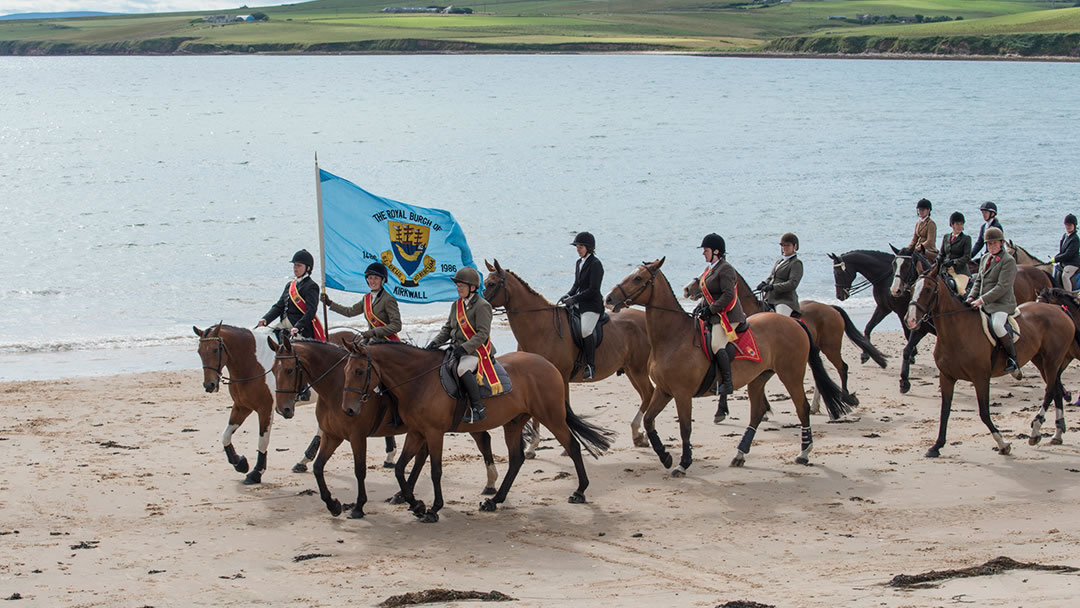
{"points": [[788, 257]]}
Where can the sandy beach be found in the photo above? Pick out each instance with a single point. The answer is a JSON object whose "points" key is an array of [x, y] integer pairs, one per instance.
{"points": [[115, 492]]}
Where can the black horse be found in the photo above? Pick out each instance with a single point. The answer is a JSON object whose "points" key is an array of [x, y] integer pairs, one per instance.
{"points": [[882, 272]]}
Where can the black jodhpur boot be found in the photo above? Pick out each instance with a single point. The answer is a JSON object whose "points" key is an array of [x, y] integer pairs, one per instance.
{"points": [[476, 405]]}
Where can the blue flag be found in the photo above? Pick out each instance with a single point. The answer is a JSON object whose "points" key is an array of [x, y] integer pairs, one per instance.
{"points": [[422, 248]]}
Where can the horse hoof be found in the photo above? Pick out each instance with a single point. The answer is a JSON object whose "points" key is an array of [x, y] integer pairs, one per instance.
{"points": [[851, 400], [488, 505], [430, 517], [387, 465], [299, 468], [905, 386], [679, 472], [356, 513], [863, 358], [241, 465], [396, 499], [717, 419], [802, 460], [529, 455], [577, 498], [640, 441], [419, 508], [666, 460], [738, 461], [487, 492], [1035, 438], [1005, 451], [1056, 441], [253, 478], [932, 453], [334, 507]]}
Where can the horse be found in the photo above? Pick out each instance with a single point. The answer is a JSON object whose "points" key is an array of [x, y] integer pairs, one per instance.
{"points": [[625, 348], [245, 354], [678, 365], [827, 324], [411, 375], [304, 363], [1069, 302], [1047, 334], [1023, 257]]}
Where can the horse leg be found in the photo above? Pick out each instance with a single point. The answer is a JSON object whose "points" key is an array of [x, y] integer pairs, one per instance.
{"points": [[434, 445], [562, 427], [309, 454], [643, 388], [1059, 408], [236, 417], [756, 390], [1040, 418], [533, 434], [982, 392], [656, 405], [685, 408], [947, 384], [879, 314], [418, 466], [359, 455], [413, 443], [483, 442], [722, 411], [909, 357], [515, 448], [265, 422], [391, 452], [326, 450], [802, 410]]}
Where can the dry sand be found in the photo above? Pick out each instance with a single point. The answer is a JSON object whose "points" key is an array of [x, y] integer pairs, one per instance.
{"points": [[115, 492]]}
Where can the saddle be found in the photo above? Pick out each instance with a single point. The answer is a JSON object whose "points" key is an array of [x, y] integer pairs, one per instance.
{"points": [[452, 384], [743, 348], [1056, 279], [1011, 326], [579, 341]]}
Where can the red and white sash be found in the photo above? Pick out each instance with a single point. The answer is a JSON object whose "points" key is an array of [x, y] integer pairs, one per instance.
{"points": [[486, 369], [373, 320], [728, 328], [317, 328]]}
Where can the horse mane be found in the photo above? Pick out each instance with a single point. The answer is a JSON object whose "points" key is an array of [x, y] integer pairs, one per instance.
{"points": [[1055, 295], [524, 284], [869, 253], [313, 341]]}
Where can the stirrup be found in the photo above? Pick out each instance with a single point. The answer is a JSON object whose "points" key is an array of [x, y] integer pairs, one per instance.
{"points": [[473, 415], [588, 373]]}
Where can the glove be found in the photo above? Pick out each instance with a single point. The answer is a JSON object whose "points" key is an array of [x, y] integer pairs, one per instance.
{"points": [[1053, 260], [325, 299], [761, 286], [432, 345], [459, 351], [367, 335], [767, 288], [569, 300]]}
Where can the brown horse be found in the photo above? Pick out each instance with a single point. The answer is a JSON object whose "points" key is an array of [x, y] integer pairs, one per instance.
{"points": [[1023, 257], [963, 352], [411, 375], [678, 365], [306, 363], [827, 324], [543, 328], [248, 361], [1068, 301]]}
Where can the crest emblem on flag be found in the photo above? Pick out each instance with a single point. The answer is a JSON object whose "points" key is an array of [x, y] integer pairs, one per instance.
{"points": [[408, 242]]}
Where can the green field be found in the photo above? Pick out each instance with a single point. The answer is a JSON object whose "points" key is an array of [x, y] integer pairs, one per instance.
{"points": [[559, 26]]}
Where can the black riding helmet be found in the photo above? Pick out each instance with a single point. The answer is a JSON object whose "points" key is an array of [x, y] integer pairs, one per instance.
{"points": [[305, 258], [956, 217], [988, 206], [377, 269], [714, 241], [924, 204], [585, 239]]}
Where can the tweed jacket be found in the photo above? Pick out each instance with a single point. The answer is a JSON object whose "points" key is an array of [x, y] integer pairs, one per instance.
{"points": [[994, 282], [385, 307], [722, 285], [925, 235], [784, 278], [478, 312]]}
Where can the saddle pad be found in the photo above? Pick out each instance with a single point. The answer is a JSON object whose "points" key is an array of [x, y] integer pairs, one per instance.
{"points": [[746, 347], [985, 318], [449, 378]]}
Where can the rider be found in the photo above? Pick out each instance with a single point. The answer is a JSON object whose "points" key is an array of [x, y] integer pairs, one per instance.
{"points": [[586, 297], [721, 306], [779, 288], [992, 290], [925, 229], [379, 307], [469, 328], [989, 214], [955, 253], [1068, 256], [295, 309]]}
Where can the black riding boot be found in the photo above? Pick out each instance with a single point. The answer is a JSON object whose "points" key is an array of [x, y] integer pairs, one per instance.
{"points": [[589, 347], [476, 405], [1011, 365], [723, 363]]}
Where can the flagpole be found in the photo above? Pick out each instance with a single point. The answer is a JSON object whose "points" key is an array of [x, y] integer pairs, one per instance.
{"points": [[322, 244]]}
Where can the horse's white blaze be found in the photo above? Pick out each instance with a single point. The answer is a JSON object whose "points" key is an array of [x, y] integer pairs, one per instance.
{"points": [[896, 283], [226, 435], [912, 310], [264, 438]]}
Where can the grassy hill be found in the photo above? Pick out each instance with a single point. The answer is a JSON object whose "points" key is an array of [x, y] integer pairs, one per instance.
{"points": [[567, 26]]}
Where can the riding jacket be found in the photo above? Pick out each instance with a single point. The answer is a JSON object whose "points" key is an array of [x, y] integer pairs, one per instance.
{"points": [[723, 287], [384, 306], [285, 308], [994, 223], [585, 294], [785, 278], [1069, 254], [478, 312], [994, 282], [955, 253], [925, 235]]}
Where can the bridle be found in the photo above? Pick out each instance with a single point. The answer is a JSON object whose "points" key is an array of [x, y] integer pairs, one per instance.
{"points": [[928, 310], [365, 392], [628, 299], [501, 284], [222, 353], [905, 286], [853, 287], [300, 386]]}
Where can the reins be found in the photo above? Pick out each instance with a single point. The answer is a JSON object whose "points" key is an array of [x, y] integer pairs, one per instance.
{"points": [[364, 393], [556, 318], [303, 387]]}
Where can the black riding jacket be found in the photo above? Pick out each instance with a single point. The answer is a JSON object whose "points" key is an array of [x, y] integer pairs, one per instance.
{"points": [[586, 294], [284, 307]]}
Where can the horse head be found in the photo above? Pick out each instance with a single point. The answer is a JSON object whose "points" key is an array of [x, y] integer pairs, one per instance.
{"points": [[495, 285], [923, 296], [843, 276], [692, 291], [632, 289], [214, 356], [358, 378], [287, 371], [1064, 298]]}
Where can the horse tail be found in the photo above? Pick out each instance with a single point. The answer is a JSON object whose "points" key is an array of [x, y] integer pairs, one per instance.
{"points": [[859, 339], [829, 391], [596, 440]]}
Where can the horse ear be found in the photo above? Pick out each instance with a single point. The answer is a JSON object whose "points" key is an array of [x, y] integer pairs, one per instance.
{"points": [[894, 249], [273, 345], [489, 266], [198, 332], [498, 267], [660, 262], [833, 257]]}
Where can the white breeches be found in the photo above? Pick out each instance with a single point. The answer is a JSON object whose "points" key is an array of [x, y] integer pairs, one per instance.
{"points": [[783, 309], [719, 337], [588, 322], [467, 363], [1067, 274], [997, 323], [284, 323]]}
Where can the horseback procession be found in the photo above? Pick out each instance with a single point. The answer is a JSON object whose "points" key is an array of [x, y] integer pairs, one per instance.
{"points": [[991, 315]]}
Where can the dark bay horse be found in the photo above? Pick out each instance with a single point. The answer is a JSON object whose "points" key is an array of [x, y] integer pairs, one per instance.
{"points": [[411, 375], [1068, 301], [827, 324], [543, 328], [678, 365], [301, 363], [963, 352]]}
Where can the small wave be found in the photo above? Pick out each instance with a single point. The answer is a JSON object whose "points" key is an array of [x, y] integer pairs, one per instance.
{"points": [[52, 346]]}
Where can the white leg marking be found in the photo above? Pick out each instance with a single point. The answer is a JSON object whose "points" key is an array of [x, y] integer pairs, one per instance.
{"points": [[264, 440], [492, 475], [226, 436]]}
